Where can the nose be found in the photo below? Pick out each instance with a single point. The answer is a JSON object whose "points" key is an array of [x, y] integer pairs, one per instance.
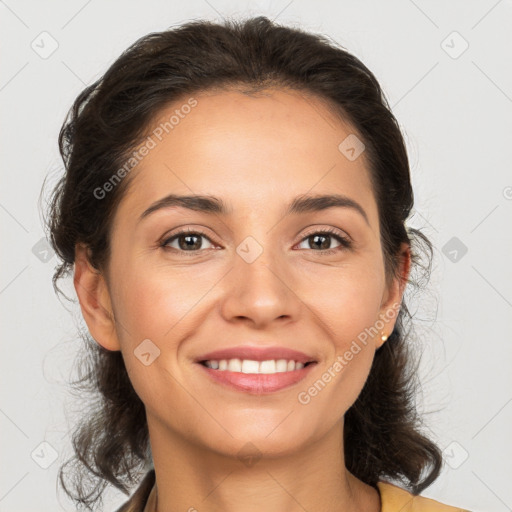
{"points": [[260, 293]]}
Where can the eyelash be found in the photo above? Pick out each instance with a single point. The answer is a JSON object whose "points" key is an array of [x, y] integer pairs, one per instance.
{"points": [[345, 243]]}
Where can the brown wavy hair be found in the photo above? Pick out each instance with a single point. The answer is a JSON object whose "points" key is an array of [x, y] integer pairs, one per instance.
{"points": [[383, 437]]}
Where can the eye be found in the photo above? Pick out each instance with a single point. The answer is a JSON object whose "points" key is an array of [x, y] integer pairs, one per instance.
{"points": [[187, 240], [190, 241], [322, 239]]}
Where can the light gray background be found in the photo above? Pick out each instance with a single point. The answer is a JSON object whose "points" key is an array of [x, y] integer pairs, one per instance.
{"points": [[456, 114]]}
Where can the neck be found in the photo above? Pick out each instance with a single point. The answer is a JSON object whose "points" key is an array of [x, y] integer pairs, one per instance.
{"points": [[192, 478]]}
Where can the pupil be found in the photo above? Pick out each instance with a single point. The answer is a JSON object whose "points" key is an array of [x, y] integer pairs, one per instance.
{"points": [[325, 244], [188, 244]]}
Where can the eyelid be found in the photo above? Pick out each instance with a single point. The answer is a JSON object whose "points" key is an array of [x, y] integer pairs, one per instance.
{"points": [[330, 230], [185, 230]]}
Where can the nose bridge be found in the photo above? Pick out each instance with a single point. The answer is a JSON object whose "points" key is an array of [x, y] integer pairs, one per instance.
{"points": [[259, 286]]}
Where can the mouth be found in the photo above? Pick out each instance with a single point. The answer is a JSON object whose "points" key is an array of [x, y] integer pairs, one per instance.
{"points": [[256, 369]]}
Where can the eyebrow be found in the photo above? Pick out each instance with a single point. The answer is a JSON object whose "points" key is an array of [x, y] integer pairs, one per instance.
{"points": [[215, 205]]}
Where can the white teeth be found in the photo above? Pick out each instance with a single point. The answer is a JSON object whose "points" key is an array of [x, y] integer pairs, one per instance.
{"points": [[235, 365], [251, 366], [268, 366], [281, 365]]}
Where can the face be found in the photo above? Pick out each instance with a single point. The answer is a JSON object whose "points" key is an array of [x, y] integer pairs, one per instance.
{"points": [[255, 275]]}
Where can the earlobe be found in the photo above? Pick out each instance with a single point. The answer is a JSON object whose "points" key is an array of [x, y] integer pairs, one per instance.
{"points": [[92, 291], [393, 298]]}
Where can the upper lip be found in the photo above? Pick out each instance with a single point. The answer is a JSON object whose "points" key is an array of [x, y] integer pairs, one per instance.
{"points": [[256, 354]]}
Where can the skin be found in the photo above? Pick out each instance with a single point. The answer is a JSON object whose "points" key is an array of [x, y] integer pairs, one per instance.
{"points": [[257, 153]]}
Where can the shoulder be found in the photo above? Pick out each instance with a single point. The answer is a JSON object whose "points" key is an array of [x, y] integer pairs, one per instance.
{"points": [[139, 498], [396, 499]]}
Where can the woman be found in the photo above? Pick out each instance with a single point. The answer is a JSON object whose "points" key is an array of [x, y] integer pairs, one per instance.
{"points": [[234, 214]]}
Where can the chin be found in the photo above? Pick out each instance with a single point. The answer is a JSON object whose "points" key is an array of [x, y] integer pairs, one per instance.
{"points": [[259, 440]]}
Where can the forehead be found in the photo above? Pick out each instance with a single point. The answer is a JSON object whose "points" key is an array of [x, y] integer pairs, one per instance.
{"points": [[253, 150]]}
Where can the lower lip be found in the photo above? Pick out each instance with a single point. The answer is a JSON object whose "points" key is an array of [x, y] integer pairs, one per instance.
{"points": [[258, 383]]}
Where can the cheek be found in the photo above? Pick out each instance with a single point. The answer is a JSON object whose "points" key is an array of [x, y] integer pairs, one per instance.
{"points": [[151, 302], [345, 372], [151, 313], [161, 306], [347, 299], [349, 310]]}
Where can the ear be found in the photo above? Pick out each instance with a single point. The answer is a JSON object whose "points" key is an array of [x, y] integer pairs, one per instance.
{"points": [[92, 291], [392, 298]]}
